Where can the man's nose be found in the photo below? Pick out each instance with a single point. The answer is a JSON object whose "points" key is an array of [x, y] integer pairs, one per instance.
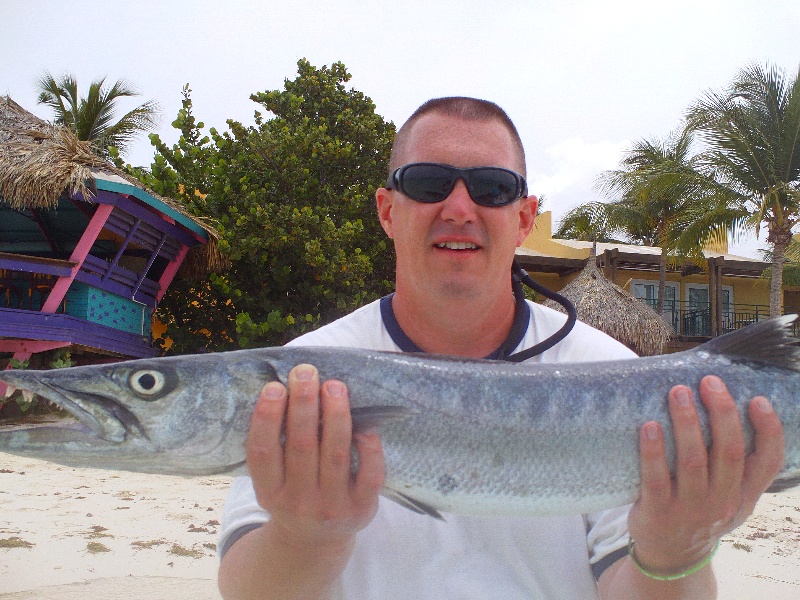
{"points": [[459, 206]]}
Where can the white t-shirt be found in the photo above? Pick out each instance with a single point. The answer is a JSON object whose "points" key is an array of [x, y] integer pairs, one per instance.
{"points": [[401, 554]]}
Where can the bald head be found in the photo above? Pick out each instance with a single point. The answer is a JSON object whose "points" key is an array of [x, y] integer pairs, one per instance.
{"points": [[467, 109]]}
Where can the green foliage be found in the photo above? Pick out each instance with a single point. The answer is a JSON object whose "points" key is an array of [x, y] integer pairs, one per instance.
{"points": [[292, 199]]}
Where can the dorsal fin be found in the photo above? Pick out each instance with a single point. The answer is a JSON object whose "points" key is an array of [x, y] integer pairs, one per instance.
{"points": [[769, 342]]}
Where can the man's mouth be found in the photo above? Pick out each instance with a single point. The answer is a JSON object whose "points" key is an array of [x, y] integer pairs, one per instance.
{"points": [[457, 245]]}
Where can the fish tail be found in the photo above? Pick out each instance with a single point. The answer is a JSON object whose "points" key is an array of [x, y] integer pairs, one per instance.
{"points": [[769, 342]]}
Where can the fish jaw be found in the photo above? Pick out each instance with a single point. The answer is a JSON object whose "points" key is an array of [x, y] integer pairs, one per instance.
{"points": [[73, 444], [104, 418]]}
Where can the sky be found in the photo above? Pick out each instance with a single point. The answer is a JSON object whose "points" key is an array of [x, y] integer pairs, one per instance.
{"points": [[582, 80]]}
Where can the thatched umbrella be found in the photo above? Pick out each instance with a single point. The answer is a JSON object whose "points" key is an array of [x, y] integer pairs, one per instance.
{"points": [[607, 307], [40, 161]]}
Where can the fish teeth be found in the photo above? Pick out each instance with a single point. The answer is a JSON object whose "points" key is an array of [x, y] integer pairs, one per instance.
{"points": [[27, 395], [10, 389]]}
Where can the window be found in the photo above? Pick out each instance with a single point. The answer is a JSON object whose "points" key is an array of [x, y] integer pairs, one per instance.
{"points": [[697, 320], [647, 291]]}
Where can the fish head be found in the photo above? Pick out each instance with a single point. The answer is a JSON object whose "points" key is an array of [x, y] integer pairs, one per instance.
{"points": [[177, 415]]}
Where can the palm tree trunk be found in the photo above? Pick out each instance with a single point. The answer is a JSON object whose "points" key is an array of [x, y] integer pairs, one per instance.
{"points": [[662, 281], [780, 239]]}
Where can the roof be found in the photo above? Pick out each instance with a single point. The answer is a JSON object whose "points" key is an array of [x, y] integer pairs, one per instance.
{"points": [[609, 308], [40, 161], [541, 252], [646, 250]]}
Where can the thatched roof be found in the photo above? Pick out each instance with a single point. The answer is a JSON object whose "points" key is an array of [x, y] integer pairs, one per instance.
{"points": [[40, 161], [609, 308]]}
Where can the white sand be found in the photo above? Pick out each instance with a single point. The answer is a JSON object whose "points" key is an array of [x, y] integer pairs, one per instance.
{"points": [[110, 534], [85, 533]]}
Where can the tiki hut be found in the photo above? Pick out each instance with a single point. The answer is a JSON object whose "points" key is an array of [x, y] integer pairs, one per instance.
{"points": [[609, 308], [40, 161], [86, 251]]}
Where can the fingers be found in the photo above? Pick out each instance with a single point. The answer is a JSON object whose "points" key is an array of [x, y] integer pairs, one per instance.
{"points": [[263, 446], [301, 449], [371, 468], [728, 448], [656, 479], [334, 470], [766, 459], [691, 469]]}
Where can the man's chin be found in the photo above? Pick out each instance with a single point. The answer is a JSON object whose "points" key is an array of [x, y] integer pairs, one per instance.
{"points": [[461, 287]]}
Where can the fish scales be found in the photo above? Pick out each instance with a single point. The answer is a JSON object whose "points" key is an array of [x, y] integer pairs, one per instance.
{"points": [[459, 435]]}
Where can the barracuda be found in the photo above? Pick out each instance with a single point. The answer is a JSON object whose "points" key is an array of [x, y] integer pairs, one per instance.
{"points": [[460, 436]]}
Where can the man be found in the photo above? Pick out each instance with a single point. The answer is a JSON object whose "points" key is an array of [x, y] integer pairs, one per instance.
{"points": [[324, 533]]}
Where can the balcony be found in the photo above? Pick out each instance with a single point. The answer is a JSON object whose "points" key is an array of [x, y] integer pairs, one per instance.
{"points": [[693, 319]]}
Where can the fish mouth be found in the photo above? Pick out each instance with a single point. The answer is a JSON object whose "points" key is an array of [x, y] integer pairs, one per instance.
{"points": [[104, 417]]}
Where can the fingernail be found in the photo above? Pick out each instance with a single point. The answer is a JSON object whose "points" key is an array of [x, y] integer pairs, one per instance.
{"points": [[683, 397], [304, 373], [335, 388], [715, 384], [651, 431], [273, 391], [763, 405]]}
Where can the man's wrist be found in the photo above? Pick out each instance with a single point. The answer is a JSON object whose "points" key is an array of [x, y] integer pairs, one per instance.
{"points": [[671, 572], [294, 540]]}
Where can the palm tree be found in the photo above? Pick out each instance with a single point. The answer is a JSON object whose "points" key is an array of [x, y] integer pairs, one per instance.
{"points": [[92, 117], [660, 199], [752, 134]]}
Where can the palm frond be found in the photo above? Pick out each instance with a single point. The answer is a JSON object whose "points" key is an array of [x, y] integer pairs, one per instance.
{"points": [[93, 118]]}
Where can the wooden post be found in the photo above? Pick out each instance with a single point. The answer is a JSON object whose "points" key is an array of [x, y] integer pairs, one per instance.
{"points": [[715, 265], [610, 260]]}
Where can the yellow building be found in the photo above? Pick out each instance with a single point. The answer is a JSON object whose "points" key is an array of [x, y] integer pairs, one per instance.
{"points": [[725, 292]]}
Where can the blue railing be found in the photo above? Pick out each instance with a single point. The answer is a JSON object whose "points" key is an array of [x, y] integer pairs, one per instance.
{"points": [[694, 319]]}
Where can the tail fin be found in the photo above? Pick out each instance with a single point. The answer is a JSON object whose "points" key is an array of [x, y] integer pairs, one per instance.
{"points": [[769, 342]]}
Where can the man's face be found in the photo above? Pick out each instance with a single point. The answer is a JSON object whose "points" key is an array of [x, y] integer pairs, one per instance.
{"points": [[456, 247]]}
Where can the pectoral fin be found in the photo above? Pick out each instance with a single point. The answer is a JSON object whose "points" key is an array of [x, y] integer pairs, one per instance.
{"points": [[371, 418], [411, 503]]}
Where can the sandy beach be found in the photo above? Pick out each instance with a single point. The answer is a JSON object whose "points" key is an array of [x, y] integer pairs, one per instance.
{"points": [[70, 533]]}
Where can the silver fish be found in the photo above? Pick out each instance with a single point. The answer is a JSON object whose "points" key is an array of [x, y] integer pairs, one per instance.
{"points": [[460, 436]]}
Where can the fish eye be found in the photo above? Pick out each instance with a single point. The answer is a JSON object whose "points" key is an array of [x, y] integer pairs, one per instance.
{"points": [[147, 382]]}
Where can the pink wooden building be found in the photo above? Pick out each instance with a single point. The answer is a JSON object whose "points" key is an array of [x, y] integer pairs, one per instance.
{"points": [[85, 257]]}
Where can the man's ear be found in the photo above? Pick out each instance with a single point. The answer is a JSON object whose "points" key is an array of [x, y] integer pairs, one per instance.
{"points": [[384, 202], [527, 215]]}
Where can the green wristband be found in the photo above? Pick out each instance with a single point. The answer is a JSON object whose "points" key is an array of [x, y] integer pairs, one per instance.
{"points": [[690, 571]]}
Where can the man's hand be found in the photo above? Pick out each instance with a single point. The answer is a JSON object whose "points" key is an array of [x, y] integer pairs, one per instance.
{"points": [[678, 520], [298, 454], [304, 479]]}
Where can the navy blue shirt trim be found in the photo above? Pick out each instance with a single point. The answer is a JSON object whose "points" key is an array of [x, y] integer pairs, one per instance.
{"points": [[522, 317], [601, 565]]}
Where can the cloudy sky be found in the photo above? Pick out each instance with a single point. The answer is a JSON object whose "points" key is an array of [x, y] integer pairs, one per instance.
{"points": [[581, 79]]}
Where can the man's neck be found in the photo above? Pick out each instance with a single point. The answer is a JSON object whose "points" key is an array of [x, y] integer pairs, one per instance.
{"points": [[437, 325]]}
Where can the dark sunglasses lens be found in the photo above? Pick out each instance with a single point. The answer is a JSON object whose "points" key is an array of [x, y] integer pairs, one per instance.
{"points": [[492, 187], [426, 183]]}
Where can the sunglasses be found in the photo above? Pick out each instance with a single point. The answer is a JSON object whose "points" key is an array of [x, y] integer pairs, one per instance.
{"points": [[433, 182]]}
